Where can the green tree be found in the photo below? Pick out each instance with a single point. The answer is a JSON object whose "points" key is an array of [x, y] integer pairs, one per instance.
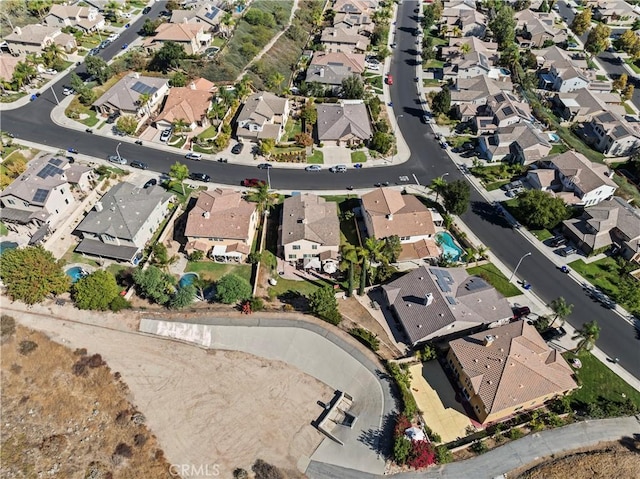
{"points": [[538, 209], [620, 83], [263, 197], [587, 336], [392, 248], [95, 291], [438, 185], [161, 256], [154, 284], [23, 73], [178, 173], [363, 258], [353, 88], [401, 450], [627, 42], [127, 124], [98, 68], [582, 22], [323, 303], [178, 79], [274, 82], [544, 7], [627, 92], [503, 26], [598, 39], [561, 309], [629, 292], [149, 27], [217, 111], [441, 103], [381, 142], [432, 13], [53, 55], [266, 146], [30, 274], [309, 116], [232, 288], [456, 196], [167, 57], [183, 297], [349, 260]]}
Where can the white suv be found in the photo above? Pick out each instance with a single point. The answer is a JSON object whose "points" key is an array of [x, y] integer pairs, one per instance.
{"points": [[166, 134]]}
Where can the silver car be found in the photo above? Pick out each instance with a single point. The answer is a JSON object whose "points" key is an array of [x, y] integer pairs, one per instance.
{"points": [[116, 159]]}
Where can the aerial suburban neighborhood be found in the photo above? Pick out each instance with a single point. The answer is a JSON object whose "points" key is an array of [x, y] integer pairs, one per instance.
{"points": [[320, 238]]}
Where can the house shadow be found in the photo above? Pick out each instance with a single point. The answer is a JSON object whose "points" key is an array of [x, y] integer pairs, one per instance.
{"points": [[437, 378], [399, 335]]}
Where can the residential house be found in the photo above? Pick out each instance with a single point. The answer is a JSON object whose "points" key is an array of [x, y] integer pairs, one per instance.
{"points": [[359, 22], [263, 115], [507, 370], [566, 72], [357, 7], [86, 19], [501, 110], [388, 212], [309, 231], [125, 96], [432, 302], [101, 5], [611, 222], [343, 40], [331, 69], [34, 38], [222, 224], [205, 14], [40, 198], [8, 66], [469, 94], [612, 135], [474, 64], [577, 180], [460, 46], [519, 143], [187, 104], [615, 12], [581, 105], [123, 222], [192, 36], [534, 29], [466, 22], [344, 123]]}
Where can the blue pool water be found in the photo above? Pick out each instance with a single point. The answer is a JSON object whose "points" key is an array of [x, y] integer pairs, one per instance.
{"points": [[449, 247], [187, 279], [5, 245], [76, 273], [554, 138]]}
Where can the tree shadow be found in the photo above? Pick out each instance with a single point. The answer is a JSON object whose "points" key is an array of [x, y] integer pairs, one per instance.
{"points": [[631, 443], [379, 440]]}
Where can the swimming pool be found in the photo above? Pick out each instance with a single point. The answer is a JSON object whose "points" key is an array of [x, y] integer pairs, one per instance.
{"points": [[76, 273], [449, 247], [5, 245], [187, 279]]}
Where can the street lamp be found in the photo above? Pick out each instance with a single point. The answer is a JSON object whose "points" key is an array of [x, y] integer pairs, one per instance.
{"points": [[518, 265], [395, 136], [118, 150]]}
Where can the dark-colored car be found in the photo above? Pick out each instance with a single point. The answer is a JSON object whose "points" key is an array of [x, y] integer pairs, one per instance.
{"points": [[151, 182], [113, 117], [521, 312], [568, 250], [558, 241], [200, 177], [237, 148], [265, 166], [553, 333], [253, 182], [139, 164], [146, 10]]}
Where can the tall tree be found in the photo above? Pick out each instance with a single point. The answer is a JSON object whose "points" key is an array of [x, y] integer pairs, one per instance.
{"points": [[53, 54], [620, 83], [232, 288], [582, 22], [353, 88], [438, 184], [154, 284], [217, 111], [363, 257], [323, 303], [587, 336], [456, 196], [274, 82], [441, 103], [98, 68], [392, 248], [309, 115], [266, 146], [598, 39], [349, 259], [538, 209], [627, 93], [561, 309], [503, 26], [95, 291], [183, 297], [167, 57], [178, 173]]}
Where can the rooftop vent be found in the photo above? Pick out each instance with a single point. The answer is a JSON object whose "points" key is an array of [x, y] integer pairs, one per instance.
{"points": [[428, 299], [206, 215], [488, 340]]}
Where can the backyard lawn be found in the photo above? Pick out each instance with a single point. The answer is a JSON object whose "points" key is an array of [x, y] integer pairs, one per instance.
{"points": [[3, 229], [292, 128], [210, 271], [358, 157], [303, 287], [495, 278], [71, 257], [348, 228]]}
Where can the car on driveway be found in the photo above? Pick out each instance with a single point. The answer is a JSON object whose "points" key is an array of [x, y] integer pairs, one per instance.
{"points": [[193, 156], [116, 159], [113, 117], [568, 250], [557, 241], [253, 182], [553, 333], [313, 168], [139, 164], [237, 148], [166, 134], [68, 91], [51, 71], [521, 312], [151, 182], [265, 166], [200, 177], [338, 169]]}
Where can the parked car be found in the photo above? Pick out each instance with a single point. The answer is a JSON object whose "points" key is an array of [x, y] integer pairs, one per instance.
{"points": [[116, 159], [93, 52], [146, 10], [50, 71], [237, 148], [568, 250], [200, 177], [104, 44], [558, 241], [426, 119], [553, 333], [139, 164], [113, 37], [68, 91], [166, 134], [338, 169], [313, 168], [521, 312], [389, 79], [265, 166], [113, 117], [253, 182], [151, 182], [193, 156]]}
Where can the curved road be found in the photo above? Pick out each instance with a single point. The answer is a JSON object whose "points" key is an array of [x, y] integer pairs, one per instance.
{"points": [[618, 337]]}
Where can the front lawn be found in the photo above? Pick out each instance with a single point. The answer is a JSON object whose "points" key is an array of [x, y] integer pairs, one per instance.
{"points": [[208, 133], [434, 64], [375, 81], [632, 65], [599, 382], [495, 278], [210, 271], [316, 158], [430, 82], [292, 128], [358, 157], [542, 235], [558, 148], [496, 185], [628, 109], [456, 141]]}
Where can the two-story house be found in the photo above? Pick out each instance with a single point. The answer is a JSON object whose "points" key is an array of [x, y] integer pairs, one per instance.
{"points": [[359, 22], [309, 232], [86, 19], [519, 143], [468, 95], [205, 14], [345, 123], [501, 110], [188, 104], [343, 40], [123, 221], [34, 38], [534, 29], [613, 135], [222, 224], [194, 37], [331, 69], [263, 115], [581, 105]]}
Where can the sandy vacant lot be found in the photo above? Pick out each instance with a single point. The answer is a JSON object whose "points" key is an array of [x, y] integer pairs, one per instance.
{"points": [[207, 407]]}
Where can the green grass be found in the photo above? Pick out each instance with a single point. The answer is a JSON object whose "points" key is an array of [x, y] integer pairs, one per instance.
{"points": [[375, 81], [115, 268], [626, 189], [558, 148], [437, 41], [72, 257], [91, 120], [633, 65], [302, 287], [496, 185], [456, 141], [177, 141], [598, 381], [210, 271], [316, 158], [628, 109], [11, 97], [542, 235], [495, 278], [429, 82], [292, 128], [3, 229], [434, 64], [208, 133], [218, 42], [577, 144], [358, 157]]}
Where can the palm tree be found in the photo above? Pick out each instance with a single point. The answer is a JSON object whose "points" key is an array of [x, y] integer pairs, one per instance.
{"points": [[587, 336], [23, 73], [243, 87], [349, 259], [275, 80], [180, 125], [263, 197], [481, 252], [561, 309], [53, 54], [217, 111], [143, 101], [438, 185], [227, 21], [226, 96], [465, 48], [374, 248], [472, 254]]}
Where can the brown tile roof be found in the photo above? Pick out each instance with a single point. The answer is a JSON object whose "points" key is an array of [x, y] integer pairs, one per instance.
{"points": [[185, 104], [393, 213], [425, 248], [514, 369], [177, 32], [353, 61], [202, 84], [221, 213], [311, 218]]}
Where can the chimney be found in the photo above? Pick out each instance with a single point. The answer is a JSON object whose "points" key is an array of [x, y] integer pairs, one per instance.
{"points": [[321, 72], [428, 299], [488, 340], [206, 215], [17, 31], [136, 75], [99, 207], [390, 216]]}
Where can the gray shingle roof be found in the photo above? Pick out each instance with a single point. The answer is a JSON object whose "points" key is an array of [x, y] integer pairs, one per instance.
{"points": [[311, 218], [336, 121], [125, 94]]}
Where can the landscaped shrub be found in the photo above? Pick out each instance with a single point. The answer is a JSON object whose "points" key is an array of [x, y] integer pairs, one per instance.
{"points": [[264, 470], [401, 450], [402, 378], [256, 304], [479, 447], [366, 337], [7, 326], [443, 454], [422, 454], [27, 347], [515, 433]]}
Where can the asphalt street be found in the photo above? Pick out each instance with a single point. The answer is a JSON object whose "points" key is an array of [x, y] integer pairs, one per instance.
{"points": [[618, 337]]}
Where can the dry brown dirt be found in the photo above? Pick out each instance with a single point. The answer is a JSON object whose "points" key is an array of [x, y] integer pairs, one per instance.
{"points": [[620, 460]]}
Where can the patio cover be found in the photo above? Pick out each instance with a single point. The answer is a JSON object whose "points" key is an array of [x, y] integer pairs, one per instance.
{"points": [[313, 262]]}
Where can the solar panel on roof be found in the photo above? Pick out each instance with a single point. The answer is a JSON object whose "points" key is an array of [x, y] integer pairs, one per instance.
{"points": [[40, 195], [55, 161], [443, 279], [508, 110], [143, 88], [451, 300], [211, 15], [49, 170], [474, 284]]}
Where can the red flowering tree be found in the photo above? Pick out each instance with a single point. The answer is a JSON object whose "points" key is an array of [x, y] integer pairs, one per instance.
{"points": [[422, 455], [402, 424]]}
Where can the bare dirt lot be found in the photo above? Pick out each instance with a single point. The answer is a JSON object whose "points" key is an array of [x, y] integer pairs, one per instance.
{"points": [[223, 409], [606, 460]]}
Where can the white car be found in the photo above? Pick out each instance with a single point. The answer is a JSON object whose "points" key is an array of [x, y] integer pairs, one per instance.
{"points": [[193, 156], [125, 15], [338, 169], [166, 134], [68, 91], [51, 71], [113, 37], [373, 66], [313, 168]]}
